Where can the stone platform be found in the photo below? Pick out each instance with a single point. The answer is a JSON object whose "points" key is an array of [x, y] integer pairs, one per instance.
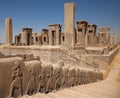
{"points": [[53, 54]]}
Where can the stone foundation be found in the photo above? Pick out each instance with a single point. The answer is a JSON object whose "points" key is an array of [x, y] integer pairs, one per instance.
{"points": [[72, 58]]}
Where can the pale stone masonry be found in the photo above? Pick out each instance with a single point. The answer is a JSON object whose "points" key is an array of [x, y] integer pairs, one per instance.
{"points": [[27, 36], [77, 38], [44, 37], [8, 27], [81, 32], [91, 36], [34, 38], [55, 34], [69, 28], [51, 60], [104, 35], [18, 39]]}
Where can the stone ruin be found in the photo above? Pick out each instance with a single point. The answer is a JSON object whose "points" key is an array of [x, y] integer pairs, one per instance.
{"points": [[29, 75], [77, 39], [24, 73]]}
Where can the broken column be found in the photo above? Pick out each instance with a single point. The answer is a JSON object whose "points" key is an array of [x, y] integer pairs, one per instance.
{"points": [[8, 25], [69, 29]]}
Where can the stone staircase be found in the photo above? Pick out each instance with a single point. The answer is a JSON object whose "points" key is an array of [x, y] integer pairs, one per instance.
{"points": [[108, 88]]}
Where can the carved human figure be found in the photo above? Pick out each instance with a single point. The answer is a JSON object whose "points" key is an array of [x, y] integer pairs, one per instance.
{"points": [[57, 82], [61, 64], [41, 86], [76, 76], [49, 75], [64, 76], [31, 86], [71, 77], [17, 80], [57, 77]]}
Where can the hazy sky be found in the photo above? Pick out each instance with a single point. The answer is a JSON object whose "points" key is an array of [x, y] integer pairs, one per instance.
{"points": [[38, 14]]}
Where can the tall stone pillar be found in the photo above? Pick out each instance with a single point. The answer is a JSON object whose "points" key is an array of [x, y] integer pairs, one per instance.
{"points": [[8, 27], [69, 29], [111, 40], [58, 36], [100, 39], [86, 39], [115, 38], [50, 38]]}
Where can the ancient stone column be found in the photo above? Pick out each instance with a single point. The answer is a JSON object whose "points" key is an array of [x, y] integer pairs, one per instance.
{"points": [[86, 39], [8, 27], [115, 38], [111, 40], [69, 30], [50, 37], [100, 39], [58, 36]]}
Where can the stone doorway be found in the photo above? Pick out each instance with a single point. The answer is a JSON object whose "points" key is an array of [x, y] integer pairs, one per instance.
{"points": [[53, 37], [28, 39]]}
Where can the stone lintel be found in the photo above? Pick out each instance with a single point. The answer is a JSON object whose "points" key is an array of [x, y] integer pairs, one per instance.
{"points": [[104, 29], [44, 30], [55, 25], [82, 22], [92, 25], [26, 29]]}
